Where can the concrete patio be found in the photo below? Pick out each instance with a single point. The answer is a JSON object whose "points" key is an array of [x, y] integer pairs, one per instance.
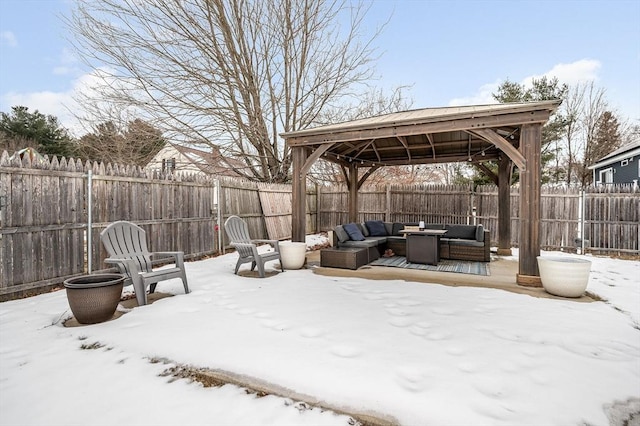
{"points": [[502, 276]]}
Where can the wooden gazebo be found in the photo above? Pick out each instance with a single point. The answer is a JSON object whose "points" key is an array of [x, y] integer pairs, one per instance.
{"points": [[508, 133]]}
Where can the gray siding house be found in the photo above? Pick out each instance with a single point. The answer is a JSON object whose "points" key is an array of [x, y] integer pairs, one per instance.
{"points": [[619, 167]]}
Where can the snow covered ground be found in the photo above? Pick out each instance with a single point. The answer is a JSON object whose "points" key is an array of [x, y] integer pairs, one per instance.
{"points": [[415, 353]]}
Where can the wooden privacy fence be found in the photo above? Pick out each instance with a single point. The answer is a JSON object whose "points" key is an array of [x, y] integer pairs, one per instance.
{"points": [[397, 203], [44, 217], [45, 206], [602, 219]]}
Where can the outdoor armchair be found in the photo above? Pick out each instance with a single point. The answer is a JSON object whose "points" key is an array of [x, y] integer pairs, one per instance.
{"points": [[247, 249], [126, 244]]}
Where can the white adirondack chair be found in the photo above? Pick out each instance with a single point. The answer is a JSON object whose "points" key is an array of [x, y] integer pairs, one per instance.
{"points": [[126, 244]]}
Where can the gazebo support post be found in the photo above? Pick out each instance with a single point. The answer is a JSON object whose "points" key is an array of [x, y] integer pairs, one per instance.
{"points": [[504, 206], [353, 193], [529, 241], [298, 199]]}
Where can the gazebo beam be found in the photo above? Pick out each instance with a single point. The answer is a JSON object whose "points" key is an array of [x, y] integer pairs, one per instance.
{"points": [[492, 137], [366, 175], [314, 157], [487, 172]]}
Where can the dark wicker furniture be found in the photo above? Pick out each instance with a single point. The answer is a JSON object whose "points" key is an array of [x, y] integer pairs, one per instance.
{"points": [[345, 258], [461, 242]]}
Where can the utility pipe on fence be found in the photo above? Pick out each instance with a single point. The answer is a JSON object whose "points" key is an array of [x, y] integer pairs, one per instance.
{"points": [[580, 238], [219, 214], [89, 220]]}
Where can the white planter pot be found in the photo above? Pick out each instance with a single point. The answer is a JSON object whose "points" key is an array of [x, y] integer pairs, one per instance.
{"points": [[564, 276], [292, 255]]}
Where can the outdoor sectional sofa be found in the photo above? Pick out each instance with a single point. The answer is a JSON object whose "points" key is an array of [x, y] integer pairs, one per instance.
{"points": [[461, 242]]}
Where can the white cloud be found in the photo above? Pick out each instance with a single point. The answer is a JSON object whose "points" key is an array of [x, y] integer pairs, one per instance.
{"points": [[482, 97], [63, 104], [59, 104], [8, 38], [46, 102], [68, 64], [581, 71]]}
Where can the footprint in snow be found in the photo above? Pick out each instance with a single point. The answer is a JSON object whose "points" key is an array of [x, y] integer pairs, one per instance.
{"points": [[413, 378], [312, 332], [401, 321], [345, 351]]}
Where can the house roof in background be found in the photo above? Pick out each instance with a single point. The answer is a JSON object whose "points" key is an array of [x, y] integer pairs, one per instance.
{"points": [[630, 149], [212, 162]]}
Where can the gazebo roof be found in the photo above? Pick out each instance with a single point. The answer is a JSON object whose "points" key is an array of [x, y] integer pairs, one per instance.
{"points": [[429, 135]]}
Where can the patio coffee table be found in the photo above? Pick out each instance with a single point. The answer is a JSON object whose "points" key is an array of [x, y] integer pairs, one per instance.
{"points": [[423, 246], [345, 258]]}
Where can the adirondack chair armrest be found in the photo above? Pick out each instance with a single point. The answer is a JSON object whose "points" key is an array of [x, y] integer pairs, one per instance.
{"points": [[273, 243], [124, 265], [250, 246], [178, 256]]}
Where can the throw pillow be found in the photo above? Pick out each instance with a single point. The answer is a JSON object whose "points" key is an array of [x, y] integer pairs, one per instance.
{"points": [[364, 229], [480, 233], [341, 234], [353, 231], [376, 228]]}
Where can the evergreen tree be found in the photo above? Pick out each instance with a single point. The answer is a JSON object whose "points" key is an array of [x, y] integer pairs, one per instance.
{"points": [[42, 132], [606, 138]]}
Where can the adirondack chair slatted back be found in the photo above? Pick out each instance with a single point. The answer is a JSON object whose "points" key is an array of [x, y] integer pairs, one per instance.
{"points": [[238, 232], [126, 244], [127, 240]]}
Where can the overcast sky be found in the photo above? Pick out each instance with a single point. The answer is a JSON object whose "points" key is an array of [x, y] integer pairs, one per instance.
{"points": [[448, 52]]}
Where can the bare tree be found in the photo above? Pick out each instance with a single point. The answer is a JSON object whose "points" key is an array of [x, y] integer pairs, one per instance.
{"points": [[372, 103], [232, 73], [592, 131], [133, 143], [573, 106]]}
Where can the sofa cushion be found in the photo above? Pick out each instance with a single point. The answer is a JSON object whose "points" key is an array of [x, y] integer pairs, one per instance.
{"points": [[480, 233], [464, 242], [467, 232], [379, 240], [353, 231], [397, 227], [376, 228], [341, 234], [389, 227], [363, 243]]}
